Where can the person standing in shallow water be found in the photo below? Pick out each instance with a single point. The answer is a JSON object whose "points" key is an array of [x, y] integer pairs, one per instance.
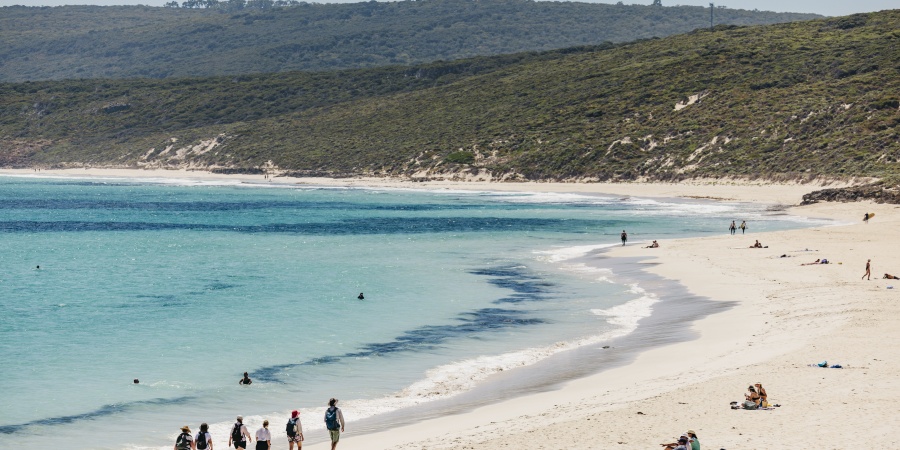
{"points": [[743, 226], [246, 380], [624, 237], [732, 228]]}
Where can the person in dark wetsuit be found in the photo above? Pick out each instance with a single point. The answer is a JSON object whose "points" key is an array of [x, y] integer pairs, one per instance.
{"points": [[361, 296]]}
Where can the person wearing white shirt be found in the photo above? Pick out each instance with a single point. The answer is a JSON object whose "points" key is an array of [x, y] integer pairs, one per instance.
{"points": [[263, 437]]}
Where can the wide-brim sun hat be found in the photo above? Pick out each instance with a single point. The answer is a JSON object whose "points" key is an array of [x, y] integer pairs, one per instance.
{"points": [[295, 413], [186, 429]]}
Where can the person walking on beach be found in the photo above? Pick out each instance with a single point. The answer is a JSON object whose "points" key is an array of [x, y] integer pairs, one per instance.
{"points": [[868, 270], [204, 439], [238, 434], [624, 237], [264, 437], [334, 421], [184, 441], [246, 380], [294, 430], [866, 218], [743, 226], [732, 228]]}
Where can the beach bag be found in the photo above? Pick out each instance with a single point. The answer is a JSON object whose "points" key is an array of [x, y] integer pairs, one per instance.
{"points": [[183, 442], [201, 441], [236, 434], [750, 405], [291, 428], [331, 420]]}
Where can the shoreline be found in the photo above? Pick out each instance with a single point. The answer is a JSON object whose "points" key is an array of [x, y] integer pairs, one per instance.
{"points": [[785, 316], [704, 189], [770, 335]]}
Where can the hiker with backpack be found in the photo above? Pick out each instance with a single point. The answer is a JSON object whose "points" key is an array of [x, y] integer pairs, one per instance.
{"points": [[184, 441], [204, 439], [238, 433], [334, 421], [264, 437], [294, 430]]}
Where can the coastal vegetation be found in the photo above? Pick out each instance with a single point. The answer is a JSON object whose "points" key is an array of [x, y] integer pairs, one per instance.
{"points": [[208, 37], [790, 101]]}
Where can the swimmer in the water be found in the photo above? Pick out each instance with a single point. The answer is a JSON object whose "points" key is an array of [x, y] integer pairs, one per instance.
{"points": [[361, 296]]}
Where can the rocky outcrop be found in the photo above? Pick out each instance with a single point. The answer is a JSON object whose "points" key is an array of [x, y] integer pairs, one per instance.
{"points": [[877, 192]]}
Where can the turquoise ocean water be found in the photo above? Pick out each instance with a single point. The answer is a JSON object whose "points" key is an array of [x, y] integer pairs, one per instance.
{"points": [[187, 284]]}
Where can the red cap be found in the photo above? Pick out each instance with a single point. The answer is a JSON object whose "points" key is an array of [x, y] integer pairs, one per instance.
{"points": [[295, 413]]}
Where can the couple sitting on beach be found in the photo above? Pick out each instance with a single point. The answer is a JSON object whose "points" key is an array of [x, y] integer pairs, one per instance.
{"points": [[755, 398], [687, 441], [758, 245], [653, 245]]}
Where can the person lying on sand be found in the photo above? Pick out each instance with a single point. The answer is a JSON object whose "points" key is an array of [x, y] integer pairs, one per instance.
{"points": [[888, 276], [653, 245], [818, 261]]}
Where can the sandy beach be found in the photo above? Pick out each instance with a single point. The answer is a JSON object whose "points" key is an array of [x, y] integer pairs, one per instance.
{"points": [[787, 316]]}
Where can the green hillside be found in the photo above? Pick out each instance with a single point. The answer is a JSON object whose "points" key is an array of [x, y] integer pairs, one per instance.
{"points": [[783, 101], [237, 37]]}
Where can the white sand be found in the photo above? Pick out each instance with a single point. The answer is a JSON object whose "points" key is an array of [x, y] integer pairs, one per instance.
{"points": [[787, 316]]}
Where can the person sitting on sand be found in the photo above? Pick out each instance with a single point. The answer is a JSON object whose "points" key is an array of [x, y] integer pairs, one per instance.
{"points": [[756, 245], [682, 444], [653, 245], [693, 440], [888, 276], [752, 399], [763, 397]]}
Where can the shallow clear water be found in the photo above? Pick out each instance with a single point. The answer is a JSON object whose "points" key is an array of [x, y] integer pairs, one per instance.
{"points": [[186, 285]]}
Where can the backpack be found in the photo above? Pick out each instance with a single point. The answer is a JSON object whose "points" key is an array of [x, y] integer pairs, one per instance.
{"points": [[183, 442], [236, 434], [331, 419], [201, 441], [291, 428]]}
